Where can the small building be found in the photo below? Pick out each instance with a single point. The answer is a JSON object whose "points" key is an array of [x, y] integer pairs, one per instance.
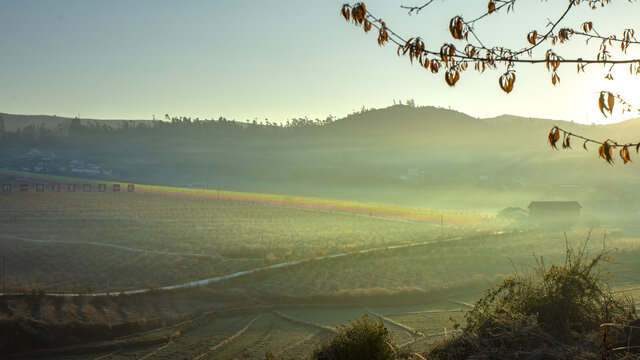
{"points": [[513, 213], [554, 210]]}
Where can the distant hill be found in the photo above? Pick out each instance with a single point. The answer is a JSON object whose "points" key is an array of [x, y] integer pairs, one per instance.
{"points": [[399, 121], [425, 156], [13, 122]]}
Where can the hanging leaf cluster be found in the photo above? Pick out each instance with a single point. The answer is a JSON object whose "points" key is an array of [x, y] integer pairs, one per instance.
{"points": [[452, 77], [507, 80], [532, 37], [605, 148], [606, 102], [458, 28]]}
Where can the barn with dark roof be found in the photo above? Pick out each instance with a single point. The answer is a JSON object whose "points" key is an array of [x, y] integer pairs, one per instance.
{"points": [[554, 210]]}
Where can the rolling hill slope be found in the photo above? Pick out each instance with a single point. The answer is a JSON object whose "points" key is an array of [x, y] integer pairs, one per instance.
{"points": [[428, 157]]}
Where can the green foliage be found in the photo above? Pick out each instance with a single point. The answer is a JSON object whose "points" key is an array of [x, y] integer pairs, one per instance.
{"points": [[363, 339]]}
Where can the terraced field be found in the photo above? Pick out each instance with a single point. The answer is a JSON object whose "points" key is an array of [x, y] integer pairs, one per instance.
{"points": [[110, 242], [294, 330], [290, 333], [117, 241], [425, 271]]}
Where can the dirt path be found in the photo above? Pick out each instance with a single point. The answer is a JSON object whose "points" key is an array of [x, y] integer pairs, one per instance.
{"points": [[228, 340], [306, 323], [412, 331], [287, 350]]}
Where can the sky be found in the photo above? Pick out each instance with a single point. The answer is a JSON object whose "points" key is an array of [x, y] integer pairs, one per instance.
{"points": [[281, 59]]}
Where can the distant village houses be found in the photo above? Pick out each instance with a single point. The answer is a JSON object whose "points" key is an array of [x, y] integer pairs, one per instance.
{"points": [[80, 167], [47, 162]]}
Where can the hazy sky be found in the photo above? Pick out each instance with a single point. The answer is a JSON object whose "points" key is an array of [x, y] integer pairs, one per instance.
{"points": [[276, 59]]}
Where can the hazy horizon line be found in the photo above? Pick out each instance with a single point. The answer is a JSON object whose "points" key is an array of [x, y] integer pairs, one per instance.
{"points": [[334, 117]]}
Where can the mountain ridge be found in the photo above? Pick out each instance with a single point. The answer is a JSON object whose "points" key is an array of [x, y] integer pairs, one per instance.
{"points": [[15, 121]]}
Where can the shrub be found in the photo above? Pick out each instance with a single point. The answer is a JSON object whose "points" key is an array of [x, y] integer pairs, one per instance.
{"points": [[559, 309], [362, 340]]}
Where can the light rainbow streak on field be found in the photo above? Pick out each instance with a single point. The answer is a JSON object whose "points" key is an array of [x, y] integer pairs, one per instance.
{"points": [[381, 210]]}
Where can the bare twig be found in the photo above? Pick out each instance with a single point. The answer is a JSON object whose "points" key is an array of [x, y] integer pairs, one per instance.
{"points": [[416, 8]]}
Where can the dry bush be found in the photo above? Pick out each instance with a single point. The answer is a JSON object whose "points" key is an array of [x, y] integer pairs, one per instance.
{"points": [[111, 314], [19, 309], [553, 312], [92, 315], [69, 313], [48, 312], [362, 340]]}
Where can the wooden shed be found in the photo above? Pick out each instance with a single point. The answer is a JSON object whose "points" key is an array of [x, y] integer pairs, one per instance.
{"points": [[513, 213], [556, 210]]}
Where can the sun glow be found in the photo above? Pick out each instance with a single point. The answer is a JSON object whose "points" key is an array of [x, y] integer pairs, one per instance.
{"points": [[624, 84]]}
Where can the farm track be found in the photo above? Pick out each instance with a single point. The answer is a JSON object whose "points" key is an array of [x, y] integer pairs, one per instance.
{"points": [[466, 304], [156, 350], [108, 355], [185, 345], [287, 351], [305, 323], [264, 333], [253, 349], [228, 340], [436, 311], [415, 337], [402, 326], [169, 333], [267, 335], [253, 340]]}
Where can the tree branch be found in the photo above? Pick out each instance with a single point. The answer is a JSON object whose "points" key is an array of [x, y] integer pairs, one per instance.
{"points": [[416, 8], [401, 41], [605, 151], [454, 60]]}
